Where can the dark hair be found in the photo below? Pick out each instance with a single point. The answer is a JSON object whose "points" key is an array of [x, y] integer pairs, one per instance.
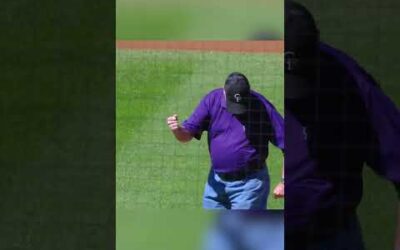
{"points": [[236, 77]]}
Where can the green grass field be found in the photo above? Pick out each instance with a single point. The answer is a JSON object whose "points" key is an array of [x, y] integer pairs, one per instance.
{"points": [[153, 169]]}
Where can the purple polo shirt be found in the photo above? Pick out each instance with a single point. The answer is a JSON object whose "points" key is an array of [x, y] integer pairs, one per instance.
{"points": [[234, 141], [327, 144]]}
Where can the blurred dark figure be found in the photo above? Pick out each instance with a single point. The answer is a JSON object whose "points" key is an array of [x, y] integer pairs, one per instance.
{"points": [[336, 120], [246, 230]]}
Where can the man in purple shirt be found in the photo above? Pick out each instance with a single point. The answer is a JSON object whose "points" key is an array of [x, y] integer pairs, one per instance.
{"points": [[336, 120], [240, 124]]}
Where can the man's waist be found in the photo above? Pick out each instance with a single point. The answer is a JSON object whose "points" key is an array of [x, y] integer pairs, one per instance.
{"points": [[242, 172]]}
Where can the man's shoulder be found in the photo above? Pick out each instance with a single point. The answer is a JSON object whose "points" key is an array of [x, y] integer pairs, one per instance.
{"points": [[214, 94], [262, 98], [258, 95], [349, 66], [213, 97]]}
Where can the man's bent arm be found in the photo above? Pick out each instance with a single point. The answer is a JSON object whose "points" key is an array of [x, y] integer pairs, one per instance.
{"points": [[279, 190], [182, 135]]}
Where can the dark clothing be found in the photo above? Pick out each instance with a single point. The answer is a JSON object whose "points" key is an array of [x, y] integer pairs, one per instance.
{"points": [[330, 135]]}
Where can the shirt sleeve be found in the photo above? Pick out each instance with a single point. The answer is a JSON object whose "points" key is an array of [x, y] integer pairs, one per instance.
{"points": [[199, 119], [384, 118], [277, 122], [384, 156]]}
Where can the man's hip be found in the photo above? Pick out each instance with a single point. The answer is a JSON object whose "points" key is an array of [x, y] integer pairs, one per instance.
{"points": [[231, 192], [241, 174]]}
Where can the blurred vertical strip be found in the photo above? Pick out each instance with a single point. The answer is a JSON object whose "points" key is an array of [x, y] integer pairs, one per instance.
{"points": [[366, 32], [246, 230]]}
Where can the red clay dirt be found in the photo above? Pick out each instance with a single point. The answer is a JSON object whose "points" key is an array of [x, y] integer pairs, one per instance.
{"points": [[219, 46]]}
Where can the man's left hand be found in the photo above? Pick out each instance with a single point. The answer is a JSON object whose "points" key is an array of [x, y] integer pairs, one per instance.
{"points": [[279, 191]]}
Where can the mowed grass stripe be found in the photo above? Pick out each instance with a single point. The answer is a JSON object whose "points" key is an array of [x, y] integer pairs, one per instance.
{"points": [[153, 170], [194, 20]]}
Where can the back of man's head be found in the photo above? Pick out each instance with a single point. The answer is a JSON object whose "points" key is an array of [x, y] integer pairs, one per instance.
{"points": [[301, 51], [301, 33]]}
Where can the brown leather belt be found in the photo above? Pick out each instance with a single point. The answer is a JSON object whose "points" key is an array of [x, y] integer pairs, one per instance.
{"points": [[242, 173]]}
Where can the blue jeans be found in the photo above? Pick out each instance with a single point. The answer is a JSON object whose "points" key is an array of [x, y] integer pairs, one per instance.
{"points": [[249, 193]]}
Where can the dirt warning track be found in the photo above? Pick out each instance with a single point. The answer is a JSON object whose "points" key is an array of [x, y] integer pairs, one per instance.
{"points": [[273, 46]]}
